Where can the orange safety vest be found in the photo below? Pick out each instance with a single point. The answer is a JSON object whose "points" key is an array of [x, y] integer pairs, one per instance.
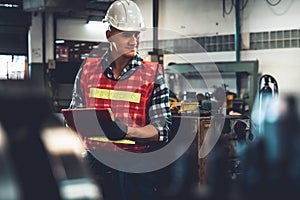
{"points": [[127, 98]]}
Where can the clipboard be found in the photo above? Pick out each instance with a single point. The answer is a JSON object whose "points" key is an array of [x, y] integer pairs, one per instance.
{"points": [[85, 122]]}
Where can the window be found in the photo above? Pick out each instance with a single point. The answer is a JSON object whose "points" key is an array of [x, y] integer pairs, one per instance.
{"points": [[13, 67]]}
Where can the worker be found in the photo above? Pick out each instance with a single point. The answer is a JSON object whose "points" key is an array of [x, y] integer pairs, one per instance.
{"points": [[143, 118]]}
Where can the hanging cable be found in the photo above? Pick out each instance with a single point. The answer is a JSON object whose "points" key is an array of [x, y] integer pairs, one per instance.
{"points": [[273, 4], [225, 10], [244, 5]]}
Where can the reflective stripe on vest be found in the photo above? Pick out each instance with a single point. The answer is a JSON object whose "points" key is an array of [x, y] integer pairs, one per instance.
{"points": [[115, 95]]}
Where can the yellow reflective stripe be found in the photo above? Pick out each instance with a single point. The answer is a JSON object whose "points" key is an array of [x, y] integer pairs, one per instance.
{"points": [[99, 93], [115, 95], [104, 139]]}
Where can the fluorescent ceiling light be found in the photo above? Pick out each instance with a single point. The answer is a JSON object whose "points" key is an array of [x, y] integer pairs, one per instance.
{"points": [[9, 5], [59, 41]]}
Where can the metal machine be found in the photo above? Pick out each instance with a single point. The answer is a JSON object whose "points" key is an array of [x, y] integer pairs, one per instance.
{"points": [[216, 90], [195, 82]]}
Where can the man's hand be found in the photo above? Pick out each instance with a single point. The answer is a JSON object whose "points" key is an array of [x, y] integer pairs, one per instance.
{"points": [[114, 130]]}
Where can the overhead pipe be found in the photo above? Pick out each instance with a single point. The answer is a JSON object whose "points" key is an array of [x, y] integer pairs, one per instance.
{"points": [[54, 34], [44, 44], [156, 54], [155, 26], [237, 39]]}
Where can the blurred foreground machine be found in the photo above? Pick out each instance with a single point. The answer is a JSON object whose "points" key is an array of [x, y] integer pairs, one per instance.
{"points": [[40, 159], [271, 163]]}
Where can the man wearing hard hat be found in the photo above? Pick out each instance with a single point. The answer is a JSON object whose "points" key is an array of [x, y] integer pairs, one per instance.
{"points": [[138, 96]]}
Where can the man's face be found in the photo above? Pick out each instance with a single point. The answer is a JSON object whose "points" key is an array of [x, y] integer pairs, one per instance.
{"points": [[123, 43]]}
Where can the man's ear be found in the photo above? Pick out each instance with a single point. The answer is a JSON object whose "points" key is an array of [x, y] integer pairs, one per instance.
{"points": [[108, 35]]}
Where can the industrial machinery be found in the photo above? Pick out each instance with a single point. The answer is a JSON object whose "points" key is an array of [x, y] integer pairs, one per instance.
{"points": [[201, 82], [236, 135], [211, 93]]}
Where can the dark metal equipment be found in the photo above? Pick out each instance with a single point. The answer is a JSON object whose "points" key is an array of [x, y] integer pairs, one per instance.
{"points": [[9, 188], [271, 163], [42, 164]]}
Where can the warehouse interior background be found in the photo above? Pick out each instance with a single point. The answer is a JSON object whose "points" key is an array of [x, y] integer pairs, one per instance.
{"points": [[47, 41], [269, 34]]}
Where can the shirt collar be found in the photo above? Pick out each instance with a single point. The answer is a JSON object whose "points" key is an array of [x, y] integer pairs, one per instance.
{"points": [[135, 62]]}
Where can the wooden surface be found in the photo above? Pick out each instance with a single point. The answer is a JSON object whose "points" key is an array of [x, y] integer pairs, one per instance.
{"points": [[194, 126]]}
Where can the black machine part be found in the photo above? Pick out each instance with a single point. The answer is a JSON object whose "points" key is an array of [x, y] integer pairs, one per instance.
{"points": [[266, 95], [266, 88], [24, 107]]}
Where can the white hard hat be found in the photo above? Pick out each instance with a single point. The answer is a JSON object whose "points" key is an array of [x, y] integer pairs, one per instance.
{"points": [[125, 15]]}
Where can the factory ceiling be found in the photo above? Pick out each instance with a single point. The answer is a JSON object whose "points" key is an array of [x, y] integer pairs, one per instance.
{"points": [[75, 9], [92, 10]]}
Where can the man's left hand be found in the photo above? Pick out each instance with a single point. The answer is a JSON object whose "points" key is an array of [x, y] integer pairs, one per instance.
{"points": [[114, 130]]}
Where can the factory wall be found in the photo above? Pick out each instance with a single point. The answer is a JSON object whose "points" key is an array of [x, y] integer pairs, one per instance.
{"points": [[80, 30], [199, 18], [257, 16]]}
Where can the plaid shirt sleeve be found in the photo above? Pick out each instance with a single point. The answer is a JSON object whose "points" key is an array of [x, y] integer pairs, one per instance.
{"points": [[159, 110], [77, 96]]}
